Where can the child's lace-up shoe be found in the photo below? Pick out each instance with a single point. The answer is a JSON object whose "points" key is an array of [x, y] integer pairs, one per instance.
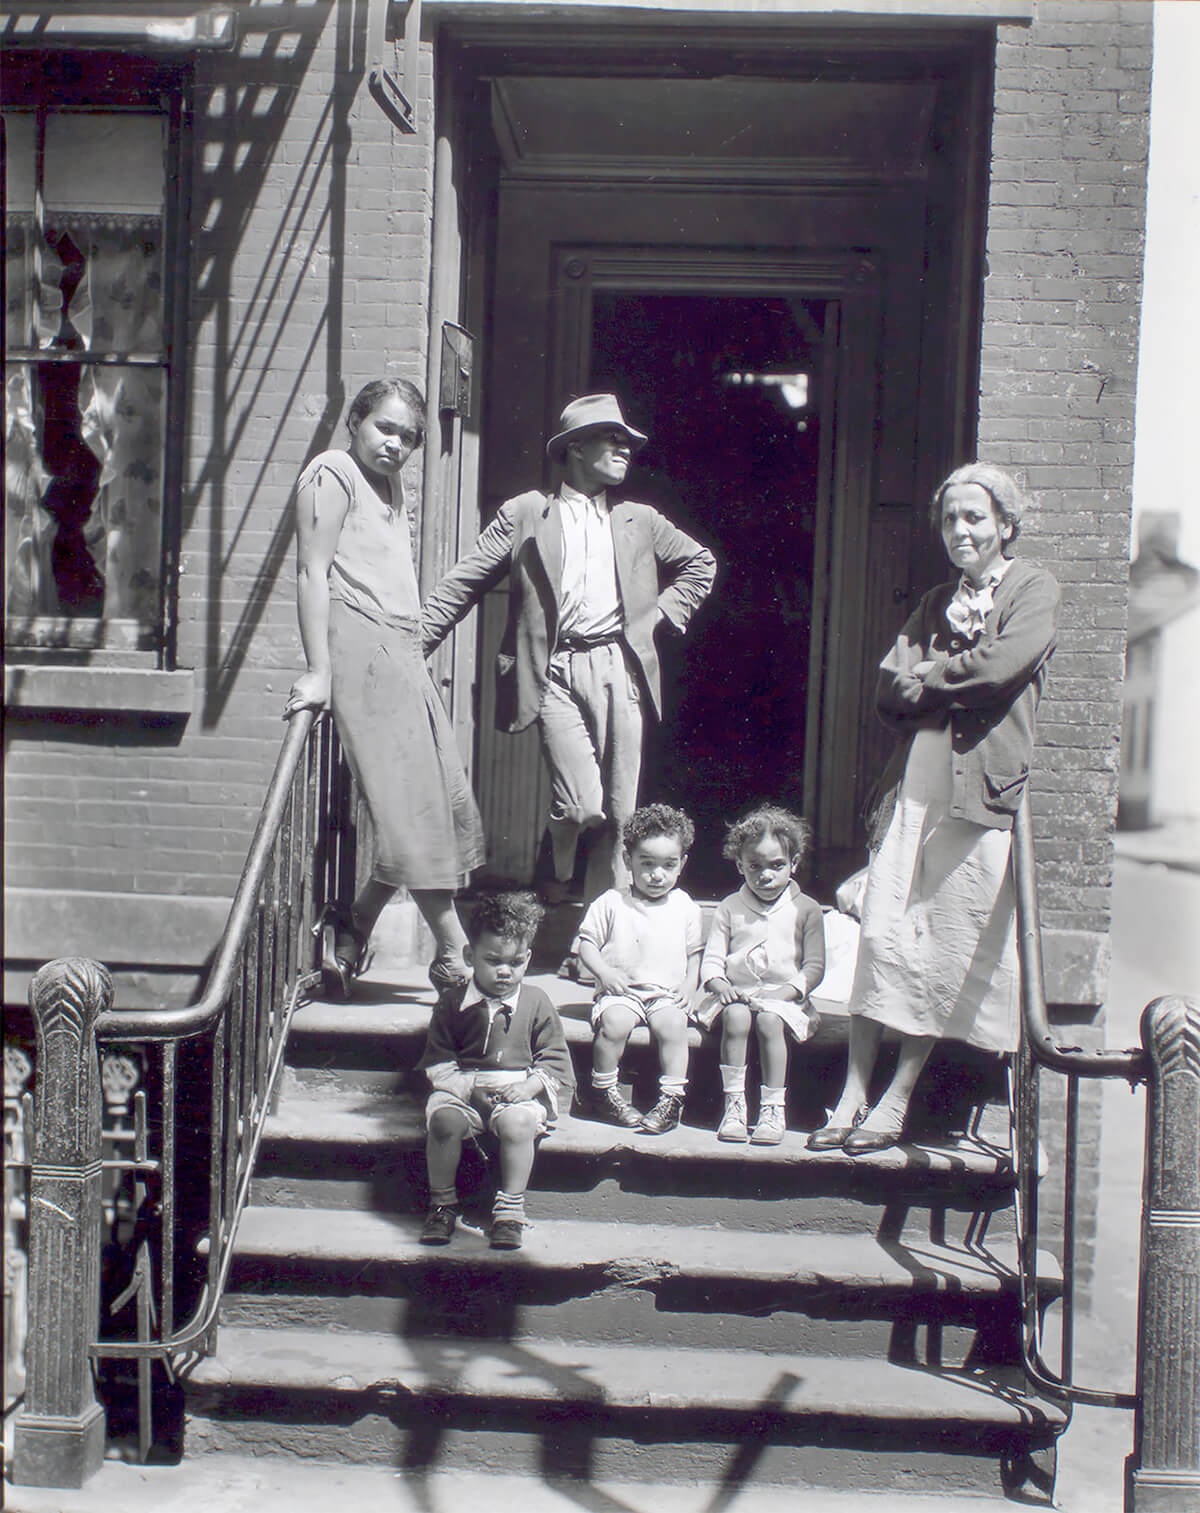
{"points": [[664, 1116], [610, 1108], [733, 1123], [506, 1234], [439, 1226], [770, 1127]]}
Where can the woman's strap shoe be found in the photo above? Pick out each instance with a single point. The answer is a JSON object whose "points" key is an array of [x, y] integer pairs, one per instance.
{"points": [[445, 974], [343, 950], [862, 1142], [831, 1137]]}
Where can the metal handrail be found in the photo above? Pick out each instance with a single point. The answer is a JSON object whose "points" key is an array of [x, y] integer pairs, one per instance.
{"points": [[1038, 1049], [195, 1019], [225, 1051], [262, 965], [1074, 1060]]}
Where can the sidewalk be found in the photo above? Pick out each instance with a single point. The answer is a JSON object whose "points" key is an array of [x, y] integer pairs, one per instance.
{"points": [[1173, 844]]}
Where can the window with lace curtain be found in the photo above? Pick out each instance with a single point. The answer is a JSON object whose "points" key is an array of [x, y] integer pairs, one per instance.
{"points": [[89, 174]]}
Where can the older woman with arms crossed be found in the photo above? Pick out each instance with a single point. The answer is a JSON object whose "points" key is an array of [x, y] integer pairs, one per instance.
{"points": [[937, 956], [356, 590]]}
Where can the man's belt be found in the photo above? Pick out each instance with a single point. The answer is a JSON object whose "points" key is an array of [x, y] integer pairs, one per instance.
{"points": [[586, 643]]}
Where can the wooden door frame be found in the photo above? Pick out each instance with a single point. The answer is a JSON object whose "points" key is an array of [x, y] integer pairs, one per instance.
{"points": [[460, 234], [944, 418], [850, 283]]}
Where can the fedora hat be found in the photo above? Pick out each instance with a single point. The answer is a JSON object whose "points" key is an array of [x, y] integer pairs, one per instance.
{"points": [[591, 412]]}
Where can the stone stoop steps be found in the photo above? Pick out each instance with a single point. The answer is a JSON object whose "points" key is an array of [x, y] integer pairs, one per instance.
{"points": [[683, 1312]]}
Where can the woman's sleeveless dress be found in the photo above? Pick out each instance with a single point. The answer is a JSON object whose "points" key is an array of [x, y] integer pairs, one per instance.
{"points": [[390, 721]]}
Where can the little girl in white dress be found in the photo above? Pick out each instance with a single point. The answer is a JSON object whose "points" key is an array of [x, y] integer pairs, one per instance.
{"points": [[764, 956]]}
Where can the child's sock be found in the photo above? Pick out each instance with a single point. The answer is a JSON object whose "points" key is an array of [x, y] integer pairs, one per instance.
{"points": [[604, 1079], [443, 1197], [676, 1086], [772, 1096], [733, 1078], [509, 1206]]}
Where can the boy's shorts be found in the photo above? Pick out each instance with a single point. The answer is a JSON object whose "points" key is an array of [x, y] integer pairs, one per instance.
{"points": [[643, 1000], [476, 1121]]}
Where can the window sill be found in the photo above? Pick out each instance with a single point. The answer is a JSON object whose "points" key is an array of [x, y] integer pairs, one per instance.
{"points": [[118, 690]]}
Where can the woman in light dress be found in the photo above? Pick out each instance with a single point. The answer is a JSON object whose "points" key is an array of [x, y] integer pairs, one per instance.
{"points": [[359, 615], [960, 687]]}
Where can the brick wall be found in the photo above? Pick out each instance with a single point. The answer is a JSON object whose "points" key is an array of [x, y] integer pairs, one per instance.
{"points": [[309, 276], [1066, 214]]}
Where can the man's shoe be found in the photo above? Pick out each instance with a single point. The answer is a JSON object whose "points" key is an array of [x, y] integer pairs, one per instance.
{"points": [[439, 1226], [733, 1122], [506, 1234], [610, 1108], [770, 1127], [664, 1116]]}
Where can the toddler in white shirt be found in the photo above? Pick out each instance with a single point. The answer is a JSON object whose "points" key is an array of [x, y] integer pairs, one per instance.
{"points": [[643, 948]]}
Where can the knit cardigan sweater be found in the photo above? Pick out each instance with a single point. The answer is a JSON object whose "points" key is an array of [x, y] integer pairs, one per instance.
{"points": [[527, 1038], [987, 690]]}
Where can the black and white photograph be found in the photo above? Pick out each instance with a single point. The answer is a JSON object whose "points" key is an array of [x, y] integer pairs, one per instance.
{"points": [[601, 809]]}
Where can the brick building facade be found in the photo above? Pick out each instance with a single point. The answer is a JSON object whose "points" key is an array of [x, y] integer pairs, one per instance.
{"points": [[318, 245]]}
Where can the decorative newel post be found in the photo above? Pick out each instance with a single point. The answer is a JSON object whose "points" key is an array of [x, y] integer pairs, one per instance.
{"points": [[1166, 1446], [60, 1434]]}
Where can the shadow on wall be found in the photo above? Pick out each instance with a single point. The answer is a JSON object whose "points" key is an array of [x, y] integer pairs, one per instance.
{"points": [[250, 322]]}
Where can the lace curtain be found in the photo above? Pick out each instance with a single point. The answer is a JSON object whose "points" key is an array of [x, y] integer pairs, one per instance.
{"points": [[84, 439]]}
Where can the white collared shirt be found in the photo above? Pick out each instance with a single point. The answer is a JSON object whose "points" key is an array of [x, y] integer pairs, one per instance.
{"points": [[473, 995], [589, 603]]}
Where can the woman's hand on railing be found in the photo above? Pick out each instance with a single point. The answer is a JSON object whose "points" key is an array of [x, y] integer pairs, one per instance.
{"points": [[309, 691]]}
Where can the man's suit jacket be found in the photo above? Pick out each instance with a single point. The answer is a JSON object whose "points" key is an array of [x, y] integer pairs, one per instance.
{"points": [[525, 539]]}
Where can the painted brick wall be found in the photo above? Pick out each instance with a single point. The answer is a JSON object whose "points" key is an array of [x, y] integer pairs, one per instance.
{"points": [[1064, 255], [309, 275]]}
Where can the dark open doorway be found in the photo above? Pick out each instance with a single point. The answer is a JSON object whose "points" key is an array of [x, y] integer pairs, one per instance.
{"points": [[648, 216], [729, 388]]}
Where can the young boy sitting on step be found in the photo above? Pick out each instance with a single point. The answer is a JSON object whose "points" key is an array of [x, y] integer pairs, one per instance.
{"points": [[643, 948], [497, 1061]]}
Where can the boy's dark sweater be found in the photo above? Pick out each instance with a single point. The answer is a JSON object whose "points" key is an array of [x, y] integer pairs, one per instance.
{"points": [[529, 1035]]}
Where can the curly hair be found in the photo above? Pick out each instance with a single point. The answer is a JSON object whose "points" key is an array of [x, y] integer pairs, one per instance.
{"points": [[377, 390], [768, 819], [511, 916], [1007, 496], [657, 819]]}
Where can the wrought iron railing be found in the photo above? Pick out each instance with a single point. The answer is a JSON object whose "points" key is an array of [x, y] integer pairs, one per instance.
{"points": [[213, 1068], [1166, 1396]]}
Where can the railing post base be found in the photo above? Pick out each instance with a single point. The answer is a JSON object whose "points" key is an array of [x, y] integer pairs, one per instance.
{"points": [[1165, 1463], [59, 1439], [59, 1453]]}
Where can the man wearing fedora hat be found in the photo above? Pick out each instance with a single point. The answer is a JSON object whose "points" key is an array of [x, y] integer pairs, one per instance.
{"points": [[591, 579]]}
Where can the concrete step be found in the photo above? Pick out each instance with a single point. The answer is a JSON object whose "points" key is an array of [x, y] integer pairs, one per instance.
{"points": [[373, 1043], [581, 1409], [266, 1483], [336, 1149], [912, 1296]]}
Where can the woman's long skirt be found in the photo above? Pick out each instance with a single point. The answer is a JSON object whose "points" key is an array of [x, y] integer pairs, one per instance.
{"points": [[938, 954], [401, 749]]}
